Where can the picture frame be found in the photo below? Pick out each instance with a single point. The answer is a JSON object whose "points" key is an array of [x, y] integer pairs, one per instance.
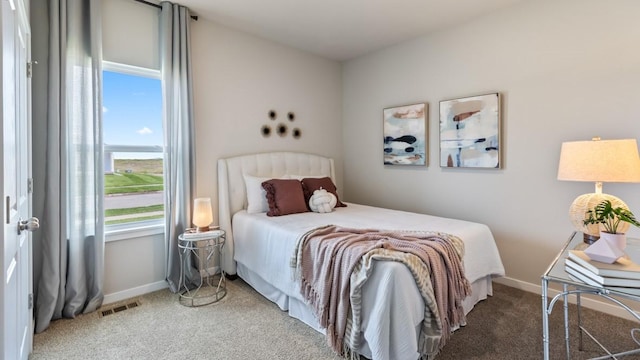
{"points": [[470, 129], [404, 133]]}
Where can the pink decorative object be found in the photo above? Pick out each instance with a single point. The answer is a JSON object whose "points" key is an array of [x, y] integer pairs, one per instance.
{"points": [[603, 251], [618, 240]]}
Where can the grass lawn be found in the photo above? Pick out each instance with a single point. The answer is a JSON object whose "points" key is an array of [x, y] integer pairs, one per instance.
{"points": [[141, 218], [142, 210], [142, 178], [132, 183], [135, 210]]}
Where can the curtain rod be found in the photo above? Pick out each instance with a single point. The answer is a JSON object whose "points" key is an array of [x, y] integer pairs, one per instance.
{"points": [[194, 17]]}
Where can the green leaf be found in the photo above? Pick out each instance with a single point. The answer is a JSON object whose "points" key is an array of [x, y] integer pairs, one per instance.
{"points": [[604, 213]]}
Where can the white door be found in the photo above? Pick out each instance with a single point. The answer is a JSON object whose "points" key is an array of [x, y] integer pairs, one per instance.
{"points": [[17, 318]]}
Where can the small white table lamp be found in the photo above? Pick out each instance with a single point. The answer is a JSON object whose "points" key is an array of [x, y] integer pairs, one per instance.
{"points": [[202, 214], [598, 161]]}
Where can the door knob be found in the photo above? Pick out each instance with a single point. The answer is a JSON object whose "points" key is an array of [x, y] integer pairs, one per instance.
{"points": [[31, 224]]}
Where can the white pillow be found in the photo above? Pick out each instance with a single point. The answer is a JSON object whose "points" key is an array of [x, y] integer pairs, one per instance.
{"points": [[256, 195]]}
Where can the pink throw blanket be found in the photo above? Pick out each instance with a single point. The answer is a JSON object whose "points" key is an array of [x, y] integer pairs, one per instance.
{"points": [[327, 256]]}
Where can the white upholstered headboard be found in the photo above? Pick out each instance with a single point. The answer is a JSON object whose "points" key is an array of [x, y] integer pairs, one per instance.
{"points": [[232, 196]]}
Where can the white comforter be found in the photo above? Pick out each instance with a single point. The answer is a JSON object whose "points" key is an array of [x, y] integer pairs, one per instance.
{"points": [[264, 245]]}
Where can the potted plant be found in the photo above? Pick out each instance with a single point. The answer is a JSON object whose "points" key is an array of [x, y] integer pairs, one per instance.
{"points": [[609, 218]]}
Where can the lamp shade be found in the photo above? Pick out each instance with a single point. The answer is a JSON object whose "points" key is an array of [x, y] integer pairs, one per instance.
{"points": [[600, 160], [202, 214]]}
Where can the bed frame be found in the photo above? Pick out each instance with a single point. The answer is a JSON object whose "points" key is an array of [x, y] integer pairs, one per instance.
{"points": [[232, 196]]}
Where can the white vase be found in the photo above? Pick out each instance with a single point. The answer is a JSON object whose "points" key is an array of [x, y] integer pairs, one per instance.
{"points": [[617, 240]]}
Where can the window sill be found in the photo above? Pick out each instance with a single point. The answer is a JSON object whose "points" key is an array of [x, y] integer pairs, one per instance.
{"points": [[132, 231]]}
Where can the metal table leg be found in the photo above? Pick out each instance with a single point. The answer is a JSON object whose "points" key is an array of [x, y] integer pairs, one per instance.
{"points": [[565, 299], [545, 320], [579, 321]]}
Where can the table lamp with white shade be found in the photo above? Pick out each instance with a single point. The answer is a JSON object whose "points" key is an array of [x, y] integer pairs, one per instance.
{"points": [[202, 214], [598, 161]]}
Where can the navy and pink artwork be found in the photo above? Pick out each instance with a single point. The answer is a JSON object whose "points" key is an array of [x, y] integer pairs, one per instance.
{"points": [[404, 135]]}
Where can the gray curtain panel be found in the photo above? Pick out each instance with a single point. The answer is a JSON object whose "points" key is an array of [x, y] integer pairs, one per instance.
{"points": [[178, 122], [67, 159]]}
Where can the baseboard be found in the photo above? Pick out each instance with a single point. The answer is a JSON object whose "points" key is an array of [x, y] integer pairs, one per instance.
{"points": [[136, 291], [586, 301]]}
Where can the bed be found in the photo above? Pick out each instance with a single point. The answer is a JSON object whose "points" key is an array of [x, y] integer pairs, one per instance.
{"points": [[259, 248]]}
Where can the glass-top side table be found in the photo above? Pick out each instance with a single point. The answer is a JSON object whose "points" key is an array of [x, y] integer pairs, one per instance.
{"points": [[206, 250], [571, 286]]}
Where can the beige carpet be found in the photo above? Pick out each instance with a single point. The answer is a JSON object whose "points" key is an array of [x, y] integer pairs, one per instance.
{"points": [[244, 325]]}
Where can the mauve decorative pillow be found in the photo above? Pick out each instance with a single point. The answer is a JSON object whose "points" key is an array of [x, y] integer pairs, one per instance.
{"points": [[309, 185], [284, 196]]}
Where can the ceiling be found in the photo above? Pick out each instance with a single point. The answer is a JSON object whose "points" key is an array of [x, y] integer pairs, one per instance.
{"points": [[341, 29]]}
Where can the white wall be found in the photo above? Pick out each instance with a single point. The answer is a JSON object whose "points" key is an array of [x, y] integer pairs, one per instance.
{"points": [[133, 265], [238, 78], [130, 33], [567, 70]]}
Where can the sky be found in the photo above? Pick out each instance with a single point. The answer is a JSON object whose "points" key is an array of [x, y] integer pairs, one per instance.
{"points": [[132, 112]]}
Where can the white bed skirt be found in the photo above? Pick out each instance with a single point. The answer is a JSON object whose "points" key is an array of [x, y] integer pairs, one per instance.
{"points": [[481, 289]]}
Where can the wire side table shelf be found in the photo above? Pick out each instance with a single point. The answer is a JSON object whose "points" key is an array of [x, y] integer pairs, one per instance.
{"points": [[570, 286], [205, 250]]}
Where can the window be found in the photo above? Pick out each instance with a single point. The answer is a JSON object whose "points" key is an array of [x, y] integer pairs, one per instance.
{"points": [[133, 147]]}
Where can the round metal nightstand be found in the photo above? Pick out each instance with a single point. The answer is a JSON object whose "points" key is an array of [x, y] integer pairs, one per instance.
{"points": [[205, 249]]}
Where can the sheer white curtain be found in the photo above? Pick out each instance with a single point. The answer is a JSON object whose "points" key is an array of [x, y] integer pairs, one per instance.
{"points": [[68, 165], [178, 122]]}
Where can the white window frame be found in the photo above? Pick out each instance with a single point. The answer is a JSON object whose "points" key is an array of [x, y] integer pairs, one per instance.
{"points": [[143, 228], [131, 70]]}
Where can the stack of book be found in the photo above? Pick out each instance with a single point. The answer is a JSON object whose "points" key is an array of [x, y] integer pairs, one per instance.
{"points": [[623, 275], [191, 234]]}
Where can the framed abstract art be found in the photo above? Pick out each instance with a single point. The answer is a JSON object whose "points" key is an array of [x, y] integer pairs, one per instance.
{"points": [[404, 135], [470, 132]]}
